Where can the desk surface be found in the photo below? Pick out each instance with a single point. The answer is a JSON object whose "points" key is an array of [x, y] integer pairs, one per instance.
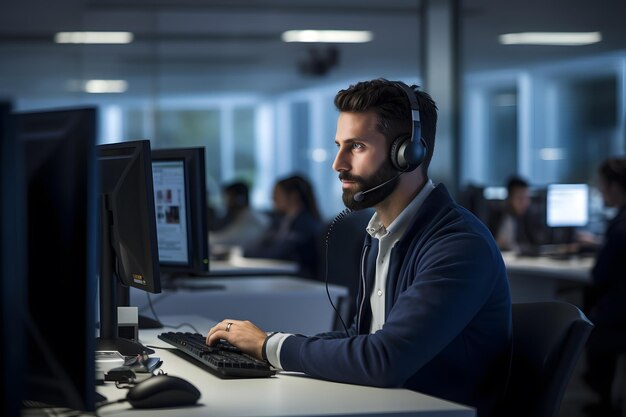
{"points": [[282, 395], [240, 266], [574, 269]]}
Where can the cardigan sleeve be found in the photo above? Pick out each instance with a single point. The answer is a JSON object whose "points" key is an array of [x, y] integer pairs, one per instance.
{"points": [[450, 282]]}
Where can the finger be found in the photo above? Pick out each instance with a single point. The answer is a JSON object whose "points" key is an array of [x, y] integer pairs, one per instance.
{"points": [[218, 326], [219, 334]]}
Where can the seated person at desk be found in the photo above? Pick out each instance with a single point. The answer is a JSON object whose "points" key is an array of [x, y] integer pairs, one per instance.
{"points": [[243, 225], [605, 300], [295, 237], [434, 309], [511, 226]]}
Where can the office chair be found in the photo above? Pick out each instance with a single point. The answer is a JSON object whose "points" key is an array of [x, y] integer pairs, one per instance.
{"points": [[548, 338]]}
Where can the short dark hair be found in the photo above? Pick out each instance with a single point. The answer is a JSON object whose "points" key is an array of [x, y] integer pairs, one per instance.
{"points": [[393, 109], [613, 170], [239, 191], [304, 190], [514, 183]]}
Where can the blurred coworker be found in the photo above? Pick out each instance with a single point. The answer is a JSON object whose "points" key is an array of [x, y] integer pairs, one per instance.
{"points": [[606, 299], [295, 236], [510, 226], [243, 225]]}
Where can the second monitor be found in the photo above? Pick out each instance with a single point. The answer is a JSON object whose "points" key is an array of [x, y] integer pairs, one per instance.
{"points": [[180, 204]]}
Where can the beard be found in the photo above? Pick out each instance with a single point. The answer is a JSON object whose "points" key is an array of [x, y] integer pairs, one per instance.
{"points": [[385, 172]]}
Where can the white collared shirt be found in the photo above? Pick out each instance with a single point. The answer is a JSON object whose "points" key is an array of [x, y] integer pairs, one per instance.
{"points": [[387, 238]]}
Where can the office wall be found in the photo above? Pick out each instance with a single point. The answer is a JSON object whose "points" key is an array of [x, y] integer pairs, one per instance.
{"points": [[548, 123]]}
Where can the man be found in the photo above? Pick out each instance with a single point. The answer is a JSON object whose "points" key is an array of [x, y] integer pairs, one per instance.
{"points": [[511, 226], [433, 310], [604, 299], [244, 226]]}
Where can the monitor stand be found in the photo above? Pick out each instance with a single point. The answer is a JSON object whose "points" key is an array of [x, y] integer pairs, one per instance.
{"points": [[125, 347], [145, 322]]}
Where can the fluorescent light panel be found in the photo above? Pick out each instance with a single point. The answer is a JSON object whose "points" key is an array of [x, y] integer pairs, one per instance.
{"points": [[94, 37], [328, 36], [105, 86], [551, 38]]}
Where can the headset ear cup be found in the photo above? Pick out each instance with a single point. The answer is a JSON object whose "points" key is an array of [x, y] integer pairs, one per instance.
{"points": [[397, 160], [407, 155]]}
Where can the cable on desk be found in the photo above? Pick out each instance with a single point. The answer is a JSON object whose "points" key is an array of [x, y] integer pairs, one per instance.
{"points": [[156, 317], [182, 325]]}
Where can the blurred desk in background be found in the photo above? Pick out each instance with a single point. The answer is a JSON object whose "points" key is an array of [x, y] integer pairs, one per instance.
{"points": [[541, 278], [240, 266]]}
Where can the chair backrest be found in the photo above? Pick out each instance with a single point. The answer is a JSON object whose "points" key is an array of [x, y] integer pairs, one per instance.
{"points": [[548, 338], [343, 256]]}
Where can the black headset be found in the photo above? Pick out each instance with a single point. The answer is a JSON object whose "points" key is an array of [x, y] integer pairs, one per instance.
{"points": [[408, 152]]}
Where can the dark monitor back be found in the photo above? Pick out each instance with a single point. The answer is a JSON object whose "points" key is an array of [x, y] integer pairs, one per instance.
{"points": [[12, 267], [60, 172], [180, 200], [127, 187]]}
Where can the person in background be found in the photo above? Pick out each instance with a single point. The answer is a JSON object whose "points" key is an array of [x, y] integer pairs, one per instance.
{"points": [[242, 224], [294, 237], [511, 226], [605, 300], [434, 310]]}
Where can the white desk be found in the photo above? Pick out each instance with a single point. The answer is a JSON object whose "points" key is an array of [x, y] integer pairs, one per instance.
{"points": [[282, 395], [279, 303], [538, 278], [240, 266]]}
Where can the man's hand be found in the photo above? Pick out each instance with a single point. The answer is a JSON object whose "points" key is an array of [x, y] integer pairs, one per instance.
{"points": [[243, 334]]}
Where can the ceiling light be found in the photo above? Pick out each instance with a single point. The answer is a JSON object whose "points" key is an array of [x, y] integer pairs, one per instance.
{"points": [[551, 154], [550, 38], [93, 37], [105, 86], [329, 36]]}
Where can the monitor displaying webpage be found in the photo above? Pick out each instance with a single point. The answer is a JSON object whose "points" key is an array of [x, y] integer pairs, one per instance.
{"points": [[567, 205], [171, 211]]}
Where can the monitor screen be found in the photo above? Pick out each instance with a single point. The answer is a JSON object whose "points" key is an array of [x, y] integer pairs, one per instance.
{"points": [[129, 254], [180, 204], [567, 205], [60, 187], [171, 211]]}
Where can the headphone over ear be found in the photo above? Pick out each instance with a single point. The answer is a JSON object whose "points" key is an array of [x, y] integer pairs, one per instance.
{"points": [[408, 152]]}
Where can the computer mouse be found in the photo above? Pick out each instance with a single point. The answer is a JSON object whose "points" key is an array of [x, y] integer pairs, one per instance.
{"points": [[162, 391]]}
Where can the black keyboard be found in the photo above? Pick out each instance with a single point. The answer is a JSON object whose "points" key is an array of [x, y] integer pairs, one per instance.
{"points": [[223, 360]]}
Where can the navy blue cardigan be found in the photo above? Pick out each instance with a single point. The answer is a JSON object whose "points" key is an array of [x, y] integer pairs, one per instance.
{"points": [[447, 330]]}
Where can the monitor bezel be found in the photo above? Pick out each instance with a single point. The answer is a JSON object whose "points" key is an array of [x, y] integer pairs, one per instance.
{"points": [[193, 159]]}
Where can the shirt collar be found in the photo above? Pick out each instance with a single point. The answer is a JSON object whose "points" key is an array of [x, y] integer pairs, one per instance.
{"points": [[375, 227]]}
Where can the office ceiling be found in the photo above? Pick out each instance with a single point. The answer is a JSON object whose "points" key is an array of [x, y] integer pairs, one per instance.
{"points": [[184, 47]]}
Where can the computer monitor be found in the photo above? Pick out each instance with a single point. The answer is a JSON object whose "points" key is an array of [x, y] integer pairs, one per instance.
{"points": [[60, 185], [567, 205], [12, 267], [129, 254], [180, 202]]}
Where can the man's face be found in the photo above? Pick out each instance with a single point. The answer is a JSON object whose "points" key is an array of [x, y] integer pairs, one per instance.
{"points": [[519, 200], [362, 159]]}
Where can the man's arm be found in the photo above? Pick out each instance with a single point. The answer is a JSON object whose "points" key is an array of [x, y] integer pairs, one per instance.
{"points": [[449, 289]]}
